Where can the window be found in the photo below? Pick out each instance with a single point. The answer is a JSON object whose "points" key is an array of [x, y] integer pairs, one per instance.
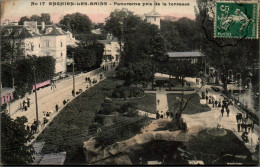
{"points": [[47, 53], [61, 54], [47, 43], [154, 19], [39, 45], [60, 44], [32, 47]]}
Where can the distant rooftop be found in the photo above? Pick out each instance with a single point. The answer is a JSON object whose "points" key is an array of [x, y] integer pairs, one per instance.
{"points": [[107, 41], [185, 54], [153, 13]]}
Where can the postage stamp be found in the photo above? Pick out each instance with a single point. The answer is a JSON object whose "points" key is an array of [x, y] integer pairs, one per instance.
{"points": [[236, 20]]}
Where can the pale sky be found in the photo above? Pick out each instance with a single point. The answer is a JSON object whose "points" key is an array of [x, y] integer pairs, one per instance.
{"points": [[14, 9]]}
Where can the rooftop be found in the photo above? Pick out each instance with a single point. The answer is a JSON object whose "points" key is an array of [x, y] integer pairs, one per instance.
{"points": [[153, 13], [185, 54]]}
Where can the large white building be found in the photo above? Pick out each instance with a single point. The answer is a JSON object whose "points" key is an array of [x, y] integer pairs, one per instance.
{"points": [[153, 17], [111, 48], [40, 40]]}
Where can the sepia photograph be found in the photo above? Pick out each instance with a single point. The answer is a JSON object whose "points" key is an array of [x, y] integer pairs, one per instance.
{"points": [[129, 82]]}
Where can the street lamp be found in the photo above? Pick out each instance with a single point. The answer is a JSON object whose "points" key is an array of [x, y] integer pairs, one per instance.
{"points": [[73, 73], [249, 82], [240, 83], [232, 93], [35, 91]]}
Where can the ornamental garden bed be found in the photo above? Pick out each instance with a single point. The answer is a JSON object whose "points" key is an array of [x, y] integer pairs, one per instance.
{"points": [[193, 105]]}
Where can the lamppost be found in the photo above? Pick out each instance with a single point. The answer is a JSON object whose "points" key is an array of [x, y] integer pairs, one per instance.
{"points": [[249, 82], [73, 73], [240, 83], [232, 93], [35, 91]]}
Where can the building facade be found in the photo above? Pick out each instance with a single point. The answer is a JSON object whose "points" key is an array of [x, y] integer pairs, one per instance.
{"points": [[111, 48], [153, 17], [39, 40], [194, 57]]}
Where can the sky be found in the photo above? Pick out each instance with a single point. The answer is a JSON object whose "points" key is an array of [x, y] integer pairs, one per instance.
{"points": [[15, 9]]}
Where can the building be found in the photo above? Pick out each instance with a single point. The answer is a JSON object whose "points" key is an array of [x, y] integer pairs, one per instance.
{"points": [[111, 49], [194, 57], [153, 17], [39, 40]]}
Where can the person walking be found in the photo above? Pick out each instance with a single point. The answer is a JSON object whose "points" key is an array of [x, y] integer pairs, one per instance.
{"points": [[25, 108], [28, 102], [167, 114], [227, 110], [216, 103], [213, 103], [24, 103], [158, 101], [57, 108], [207, 98], [207, 91], [222, 111], [238, 127], [64, 102]]}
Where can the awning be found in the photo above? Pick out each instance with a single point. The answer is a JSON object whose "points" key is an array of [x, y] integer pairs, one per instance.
{"points": [[7, 95], [39, 85]]}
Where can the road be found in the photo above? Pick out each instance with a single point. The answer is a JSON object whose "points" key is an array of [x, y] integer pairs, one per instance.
{"points": [[48, 98]]}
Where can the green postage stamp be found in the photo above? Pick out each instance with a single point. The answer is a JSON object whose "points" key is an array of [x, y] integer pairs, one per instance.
{"points": [[236, 20]]}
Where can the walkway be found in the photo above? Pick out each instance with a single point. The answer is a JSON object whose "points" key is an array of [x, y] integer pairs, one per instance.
{"points": [[213, 117]]}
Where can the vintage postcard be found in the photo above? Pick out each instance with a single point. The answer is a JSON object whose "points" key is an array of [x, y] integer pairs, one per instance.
{"points": [[129, 82]]}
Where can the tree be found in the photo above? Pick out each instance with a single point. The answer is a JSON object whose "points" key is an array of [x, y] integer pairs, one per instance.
{"points": [[14, 136], [23, 19], [76, 23]]}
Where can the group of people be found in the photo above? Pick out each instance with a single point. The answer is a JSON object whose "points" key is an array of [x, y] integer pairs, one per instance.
{"points": [[25, 104], [244, 124], [162, 115]]}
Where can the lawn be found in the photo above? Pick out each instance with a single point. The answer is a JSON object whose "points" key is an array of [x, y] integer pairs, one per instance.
{"points": [[193, 105], [215, 145], [146, 103], [68, 130]]}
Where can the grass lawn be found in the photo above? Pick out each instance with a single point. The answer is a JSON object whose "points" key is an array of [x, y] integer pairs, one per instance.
{"points": [[68, 130], [193, 105], [206, 143], [146, 103]]}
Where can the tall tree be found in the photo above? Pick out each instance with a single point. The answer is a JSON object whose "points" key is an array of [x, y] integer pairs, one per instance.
{"points": [[76, 23], [14, 136]]}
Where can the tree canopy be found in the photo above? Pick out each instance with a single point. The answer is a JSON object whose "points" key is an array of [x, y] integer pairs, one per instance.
{"points": [[76, 23], [14, 136]]}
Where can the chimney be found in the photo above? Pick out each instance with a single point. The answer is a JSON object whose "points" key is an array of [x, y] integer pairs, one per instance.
{"points": [[43, 25]]}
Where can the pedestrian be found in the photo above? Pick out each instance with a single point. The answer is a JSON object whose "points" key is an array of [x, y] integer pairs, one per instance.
{"points": [[207, 99], [57, 108], [237, 117], [24, 103], [64, 102], [28, 128], [222, 111], [21, 106], [158, 101], [238, 127], [72, 92], [227, 110], [252, 127], [167, 113], [216, 103], [28, 102], [25, 108], [213, 103], [207, 91], [157, 115]]}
